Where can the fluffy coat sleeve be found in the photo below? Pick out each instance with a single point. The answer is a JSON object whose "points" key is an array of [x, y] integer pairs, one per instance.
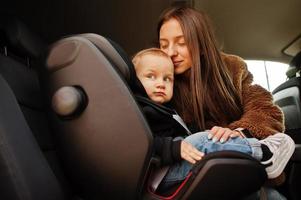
{"points": [[261, 117]]}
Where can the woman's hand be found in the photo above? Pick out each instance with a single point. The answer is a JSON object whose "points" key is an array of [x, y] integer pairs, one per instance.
{"points": [[222, 134], [190, 153]]}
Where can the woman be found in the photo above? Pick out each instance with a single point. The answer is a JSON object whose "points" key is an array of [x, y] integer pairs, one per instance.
{"points": [[213, 90]]}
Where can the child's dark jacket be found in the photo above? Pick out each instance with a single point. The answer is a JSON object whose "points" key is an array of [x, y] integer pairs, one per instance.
{"points": [[164, 127]]}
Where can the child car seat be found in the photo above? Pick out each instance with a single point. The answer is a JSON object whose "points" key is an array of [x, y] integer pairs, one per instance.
{"points": [[106, 144]]}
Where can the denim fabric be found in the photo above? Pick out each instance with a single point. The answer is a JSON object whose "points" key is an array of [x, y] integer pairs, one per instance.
{"points": [[179, 171], [256, 148]]}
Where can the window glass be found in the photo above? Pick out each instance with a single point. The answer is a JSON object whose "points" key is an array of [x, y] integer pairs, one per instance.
{"points": [[267, 74], [276, 73]]}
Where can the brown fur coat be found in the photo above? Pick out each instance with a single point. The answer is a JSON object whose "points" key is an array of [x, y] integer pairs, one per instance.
{"points": [[260, 115]]}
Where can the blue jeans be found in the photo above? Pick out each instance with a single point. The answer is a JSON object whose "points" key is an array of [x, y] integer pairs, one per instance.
{"points": [[179, 171]]}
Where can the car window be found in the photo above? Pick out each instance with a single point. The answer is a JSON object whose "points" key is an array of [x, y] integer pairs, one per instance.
{"points": [[268, 74]]}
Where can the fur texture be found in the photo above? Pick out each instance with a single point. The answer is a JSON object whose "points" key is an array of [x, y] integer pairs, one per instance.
{"points": [[260, 115]]}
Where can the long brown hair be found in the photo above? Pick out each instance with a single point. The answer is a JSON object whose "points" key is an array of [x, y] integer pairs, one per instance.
{"points": [[206, 91]]}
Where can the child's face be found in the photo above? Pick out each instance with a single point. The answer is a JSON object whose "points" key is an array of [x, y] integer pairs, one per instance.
{"points": [[156, 74]]}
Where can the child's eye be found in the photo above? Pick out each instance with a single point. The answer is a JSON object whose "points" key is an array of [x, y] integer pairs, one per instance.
{"points": [[150, 76], [168, 79]]}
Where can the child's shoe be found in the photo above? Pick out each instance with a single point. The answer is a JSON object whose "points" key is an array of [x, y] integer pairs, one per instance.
{"points": [[282, 146]]}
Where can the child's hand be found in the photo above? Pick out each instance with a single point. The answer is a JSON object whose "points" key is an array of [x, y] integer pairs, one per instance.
{"points": [[190, 153], [222, 134]]}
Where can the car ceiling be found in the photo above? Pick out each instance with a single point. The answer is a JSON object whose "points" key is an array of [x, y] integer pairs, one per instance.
{"points": [[253, 29]]}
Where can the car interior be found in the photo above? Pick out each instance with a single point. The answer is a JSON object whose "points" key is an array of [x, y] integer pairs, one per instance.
{"points": [[102, 149]]}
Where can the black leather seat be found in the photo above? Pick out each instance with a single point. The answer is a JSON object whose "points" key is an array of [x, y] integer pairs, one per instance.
{"points": [[287, 96], [29, 169], [107, 144]]}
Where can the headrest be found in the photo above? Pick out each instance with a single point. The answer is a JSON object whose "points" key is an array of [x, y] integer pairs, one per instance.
{"points": [[296, 61], [20, 39], [291, 72], [133, 81], [294, 66], [128, 70], [116, 56]]}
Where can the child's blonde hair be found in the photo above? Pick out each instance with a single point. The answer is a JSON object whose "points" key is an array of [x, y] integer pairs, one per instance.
{"points": [[152, 51]]}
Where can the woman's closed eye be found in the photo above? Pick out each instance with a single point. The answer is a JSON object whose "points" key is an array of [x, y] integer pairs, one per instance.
{"points": [[181, 43], [163, 45]]}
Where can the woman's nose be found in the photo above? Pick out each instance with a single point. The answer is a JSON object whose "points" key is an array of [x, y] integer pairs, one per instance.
{"points": [[171, 51]]}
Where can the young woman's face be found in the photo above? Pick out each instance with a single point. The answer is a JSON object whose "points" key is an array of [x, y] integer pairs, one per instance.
{"points": [[173, 43]]}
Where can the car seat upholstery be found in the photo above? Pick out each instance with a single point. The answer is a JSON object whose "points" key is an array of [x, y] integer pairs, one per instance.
{"points": [[28, 164], [107, 146], [112, 141], [287, 96]]}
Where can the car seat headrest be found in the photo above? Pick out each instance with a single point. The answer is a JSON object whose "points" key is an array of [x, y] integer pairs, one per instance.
{"points": [[134, 83], [128, 71], [296, 61], [291, 72], [20, 39], [294, 66], [115, 55]]}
